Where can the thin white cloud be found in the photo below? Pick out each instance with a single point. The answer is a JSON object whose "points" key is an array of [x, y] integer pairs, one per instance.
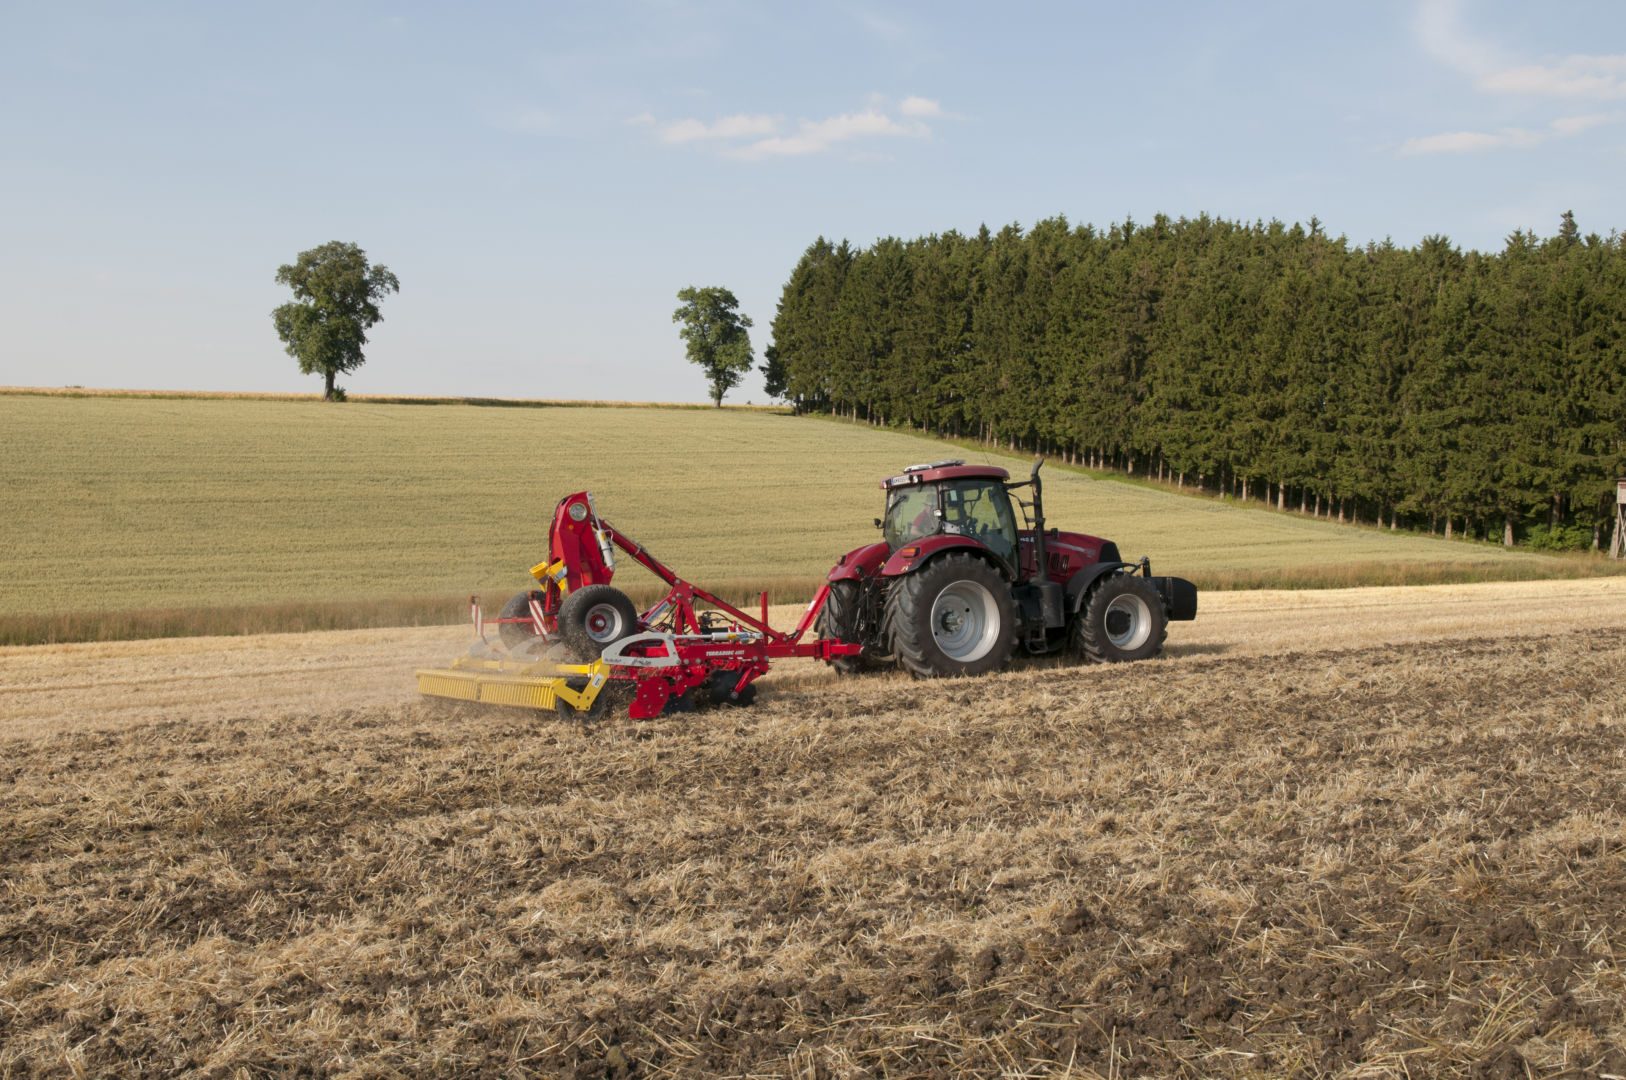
{"points": [[1468, 142], [643, 119], [1574, 125], [1579, 76], [739, 126], [755, 136], [815, 136], [1441, 31]]}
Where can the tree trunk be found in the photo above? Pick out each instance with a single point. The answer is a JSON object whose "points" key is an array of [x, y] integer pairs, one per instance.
{"points": [[1507, 531], [1448, 526], [330, 374]]}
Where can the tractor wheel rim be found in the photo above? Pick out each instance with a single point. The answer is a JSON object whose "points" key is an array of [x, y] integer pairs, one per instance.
{"points": [[603, 623], [965, 621], [1128, 621]]}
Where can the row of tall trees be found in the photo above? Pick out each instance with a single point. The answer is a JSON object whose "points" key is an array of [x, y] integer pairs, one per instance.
{"points": [[1425, 386]]}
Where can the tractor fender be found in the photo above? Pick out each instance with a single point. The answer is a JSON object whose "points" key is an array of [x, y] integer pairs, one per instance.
{"points": [[858, 563], [913, 556], [1079, 585]]}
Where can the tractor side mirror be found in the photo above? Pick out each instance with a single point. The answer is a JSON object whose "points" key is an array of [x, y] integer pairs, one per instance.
{"points": [[877, 523]]}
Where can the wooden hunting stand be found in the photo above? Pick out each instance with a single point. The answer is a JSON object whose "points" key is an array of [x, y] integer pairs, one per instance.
{"points": [[1618, 548]]}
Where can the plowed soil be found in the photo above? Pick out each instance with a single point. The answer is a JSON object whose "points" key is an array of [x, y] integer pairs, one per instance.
{"points": [[1307, 858]]}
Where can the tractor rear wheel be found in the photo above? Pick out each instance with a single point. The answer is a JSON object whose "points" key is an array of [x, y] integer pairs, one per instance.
{"points": [[593, 617], [953, 617], [514, 635], [1122, 620], [838, 620]]}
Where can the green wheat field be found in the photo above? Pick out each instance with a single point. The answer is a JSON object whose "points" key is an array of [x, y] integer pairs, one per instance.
{"points": [[127, 517]]}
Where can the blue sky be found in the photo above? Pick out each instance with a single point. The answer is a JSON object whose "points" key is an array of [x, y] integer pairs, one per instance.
{"points": [[545, 177]]}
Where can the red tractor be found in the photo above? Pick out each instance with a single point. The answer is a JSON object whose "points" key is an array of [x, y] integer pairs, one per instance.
{"points": [[956, 586]]}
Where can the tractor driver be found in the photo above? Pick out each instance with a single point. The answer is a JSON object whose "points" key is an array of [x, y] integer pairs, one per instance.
{"points": [[911, 515]]}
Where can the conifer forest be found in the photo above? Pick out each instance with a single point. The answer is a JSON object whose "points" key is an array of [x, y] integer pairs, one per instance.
{"points": [[1425, 387]]}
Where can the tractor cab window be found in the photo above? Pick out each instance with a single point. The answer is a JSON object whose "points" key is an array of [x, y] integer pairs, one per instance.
{"points": [[911, 513], [980, 509]]}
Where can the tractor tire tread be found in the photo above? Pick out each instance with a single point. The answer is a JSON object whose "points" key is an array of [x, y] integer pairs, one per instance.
{"points": [[905, 629], [1089, 631]]}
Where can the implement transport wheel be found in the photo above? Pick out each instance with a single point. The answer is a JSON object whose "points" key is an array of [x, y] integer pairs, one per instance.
{"points": [[514, 635], [954, 617], [838, 620], [593, 617], [1122, 620]]}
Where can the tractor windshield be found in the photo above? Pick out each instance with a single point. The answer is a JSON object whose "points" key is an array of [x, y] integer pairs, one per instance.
{"points": [[981, 509], [911, 513]]}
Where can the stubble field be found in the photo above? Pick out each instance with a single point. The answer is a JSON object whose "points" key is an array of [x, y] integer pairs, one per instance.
{"points": [[1367, 839]]}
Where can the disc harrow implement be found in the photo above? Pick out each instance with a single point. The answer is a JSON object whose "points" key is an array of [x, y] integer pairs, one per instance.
{"points": [[576, 643]]}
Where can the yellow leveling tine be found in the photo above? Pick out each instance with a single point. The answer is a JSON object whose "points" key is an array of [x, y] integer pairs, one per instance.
{"points": [[505, 682]]}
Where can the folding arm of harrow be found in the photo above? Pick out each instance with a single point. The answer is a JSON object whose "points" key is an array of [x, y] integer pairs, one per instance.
{"points": [[682, 648]]}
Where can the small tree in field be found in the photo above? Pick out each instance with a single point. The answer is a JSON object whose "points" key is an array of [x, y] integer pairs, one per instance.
{"points": [[336, 296], [714, 333]]}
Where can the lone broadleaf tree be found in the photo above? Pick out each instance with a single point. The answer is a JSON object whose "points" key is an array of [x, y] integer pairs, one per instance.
{"points": [[714, 333], [336, 296]]}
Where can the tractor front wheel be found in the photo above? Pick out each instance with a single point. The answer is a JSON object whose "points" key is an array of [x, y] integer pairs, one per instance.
{"points": [[953, 617], [593, 617], [1122, 620]]}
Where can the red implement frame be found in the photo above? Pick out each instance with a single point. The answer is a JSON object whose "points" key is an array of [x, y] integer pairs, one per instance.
{"points": [[705, 653], [680, 648]]}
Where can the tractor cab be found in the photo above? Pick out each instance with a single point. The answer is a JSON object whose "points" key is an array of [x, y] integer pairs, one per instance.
{"points": [[954, 499]]}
